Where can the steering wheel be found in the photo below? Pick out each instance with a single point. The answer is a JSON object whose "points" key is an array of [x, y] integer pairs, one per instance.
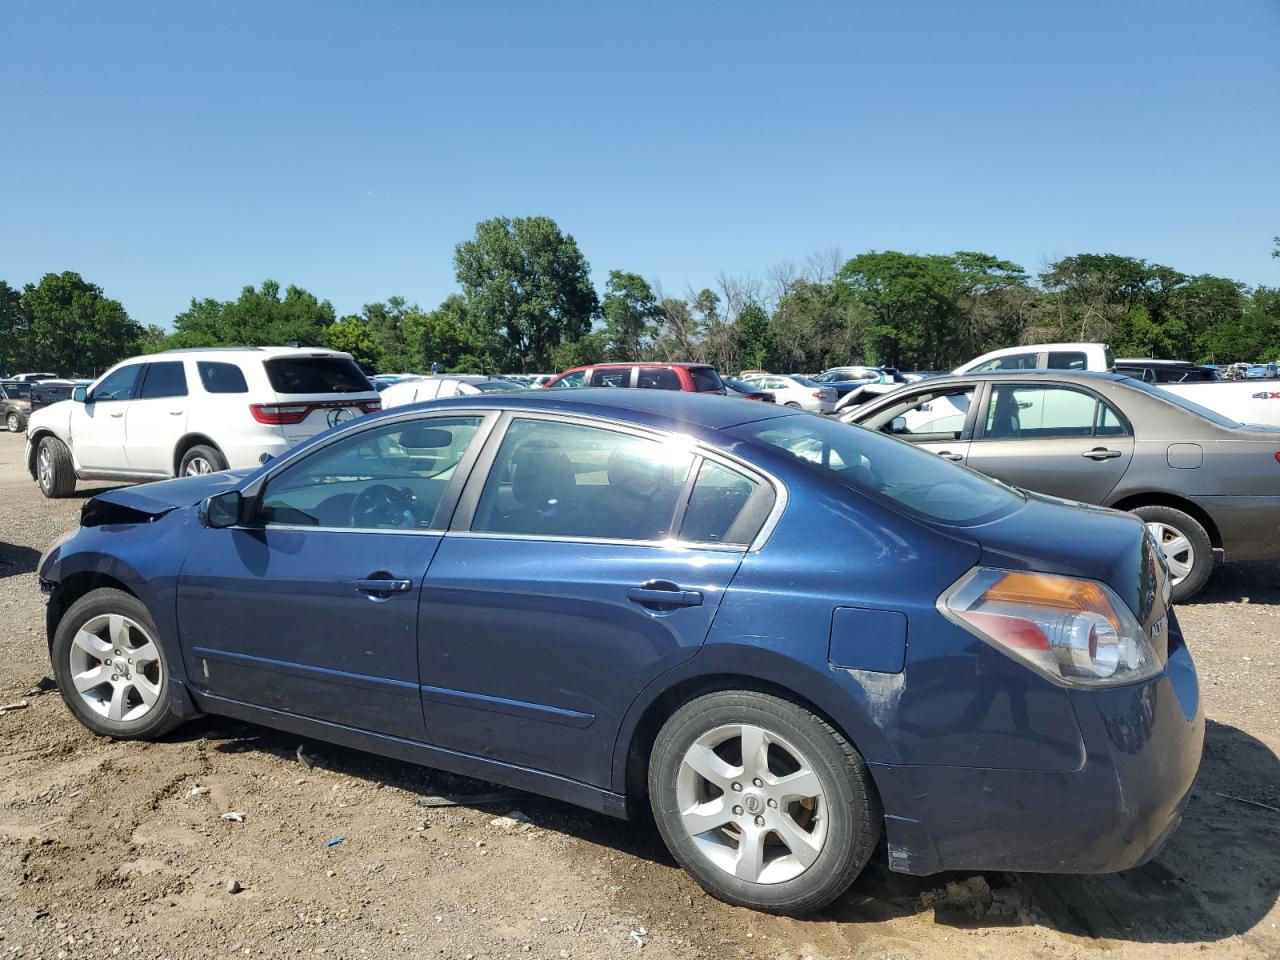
{"points": [[382, 505]]}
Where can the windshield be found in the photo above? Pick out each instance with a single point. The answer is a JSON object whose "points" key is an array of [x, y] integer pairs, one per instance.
{"points": [[1183, 402], [885, 469]]}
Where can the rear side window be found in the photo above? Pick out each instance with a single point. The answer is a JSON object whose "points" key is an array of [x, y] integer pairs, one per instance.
{"points": [[706, 380], [1016, 361], [221, 377], [316, 375], [611, 377], [718, 508], [1068, 360], [167, 379], [885, 469], [658, 378]]}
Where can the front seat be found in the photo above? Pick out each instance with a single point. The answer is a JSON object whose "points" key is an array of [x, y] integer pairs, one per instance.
{"points": [[641, 494], [1005, 421]]}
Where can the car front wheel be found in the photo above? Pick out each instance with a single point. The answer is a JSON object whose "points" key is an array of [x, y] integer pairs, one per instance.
{"points": [[14, 423], [111, 668], [762, 801], [1185, 545], [54, 470]]}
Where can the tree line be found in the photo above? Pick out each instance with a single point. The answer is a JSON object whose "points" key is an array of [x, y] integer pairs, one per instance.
{"points": [[527, 303]]}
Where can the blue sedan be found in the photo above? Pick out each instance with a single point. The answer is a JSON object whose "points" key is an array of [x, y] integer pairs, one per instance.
{"points": [[786, 635]]}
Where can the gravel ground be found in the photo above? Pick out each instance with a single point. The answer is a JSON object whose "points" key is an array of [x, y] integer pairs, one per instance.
{"points": [[119, 849]]}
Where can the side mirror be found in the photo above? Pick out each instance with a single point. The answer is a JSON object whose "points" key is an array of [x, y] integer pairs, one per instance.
{"points": [[898, 425], [221, 510], [80, 394]]}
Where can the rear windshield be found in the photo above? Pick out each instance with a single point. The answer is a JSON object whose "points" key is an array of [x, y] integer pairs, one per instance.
{"points": [[886, 469], [1181, 401], [316, 375], [705, 379], [16, 391]]}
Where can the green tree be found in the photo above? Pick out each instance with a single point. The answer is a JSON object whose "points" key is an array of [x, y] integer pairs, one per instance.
{"points": [[256, 318], [528, 282], [73, 328], [755, 340], [450, 336], [352, 335], [14, 336], [631, 314], [592, 348]]}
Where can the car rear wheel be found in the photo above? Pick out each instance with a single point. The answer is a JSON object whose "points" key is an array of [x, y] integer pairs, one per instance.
{"points": [[762, 801], [792, 404], [54, 470], [14, 423], [200, 460], [1186, 547], [111, 667]]}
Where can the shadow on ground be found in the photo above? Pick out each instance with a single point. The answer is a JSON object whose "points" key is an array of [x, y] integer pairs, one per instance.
{"points": [[1256, 581], [16, 560], [1218, 877]]}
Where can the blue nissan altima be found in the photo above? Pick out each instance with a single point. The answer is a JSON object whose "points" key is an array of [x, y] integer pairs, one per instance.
{"points": [[786, 635]]}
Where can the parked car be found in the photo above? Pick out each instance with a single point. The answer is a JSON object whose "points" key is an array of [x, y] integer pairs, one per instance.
{"points": [[15, 404], [529, 380], [187, 412], [793, 390], [33, 377], [1043, 356], [687, 377], [1201, 483], [420, 389], [747, 391], [45, 393], [1262, 371], [844, 379], [616, 598], [1166, 371]]}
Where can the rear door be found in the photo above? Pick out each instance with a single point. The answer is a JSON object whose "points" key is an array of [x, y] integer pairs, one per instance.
{"points": [[562, 589], [1052, 438], [157, 417]]}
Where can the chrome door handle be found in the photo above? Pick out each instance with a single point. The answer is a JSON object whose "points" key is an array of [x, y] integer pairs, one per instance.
{"points": [[175, 413], [385, 585], [117, 416], [1101, 453], [948, 455]]}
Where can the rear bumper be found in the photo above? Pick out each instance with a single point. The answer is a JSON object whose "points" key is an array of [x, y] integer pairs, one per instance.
{"points": [[1248, 526], [247, 451], [1116, 811]]}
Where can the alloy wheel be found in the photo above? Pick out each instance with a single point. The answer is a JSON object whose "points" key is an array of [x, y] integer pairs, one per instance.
{"points": [[1176, 547], [198, 466], [13, 423], [116, 668], [752, 804], [44, 467]]}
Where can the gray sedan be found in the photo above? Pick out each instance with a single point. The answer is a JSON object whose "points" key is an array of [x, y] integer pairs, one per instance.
{"points": [[1202, 483]]}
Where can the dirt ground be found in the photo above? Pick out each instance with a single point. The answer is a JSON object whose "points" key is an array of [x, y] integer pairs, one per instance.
{"points": [[109, 849]]}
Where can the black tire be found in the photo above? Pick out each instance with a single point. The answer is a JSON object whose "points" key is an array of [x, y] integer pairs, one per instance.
{"points": [[160, 718], [59, 480], [202, 454], [852, 807], [792, 404], [1200, 547], [13, 422]]}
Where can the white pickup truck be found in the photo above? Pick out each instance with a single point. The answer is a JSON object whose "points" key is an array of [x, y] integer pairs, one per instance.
{"points": [[1246, 401]]}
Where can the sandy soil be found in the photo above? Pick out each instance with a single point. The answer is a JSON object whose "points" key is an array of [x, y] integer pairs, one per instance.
{"points": [[108, 849]]}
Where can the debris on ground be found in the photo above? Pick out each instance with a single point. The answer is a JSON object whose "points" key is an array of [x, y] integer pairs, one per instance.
{"points": [[306, 761], [43, 685], [1252, 803], [334, 842], [511, 819], [233, 886], [16, 705], [639, 936], [197, 791], [971, 896], [468, 800], [233, 816]]}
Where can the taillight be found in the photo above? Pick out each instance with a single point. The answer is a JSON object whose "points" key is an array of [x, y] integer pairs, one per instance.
{"points": [[1072, 631], [817, 394], [279, 414], [1277, 456], [371, 406]]}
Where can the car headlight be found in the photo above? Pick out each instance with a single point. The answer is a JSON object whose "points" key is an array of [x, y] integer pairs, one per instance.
{"points": [[1073, 631]]}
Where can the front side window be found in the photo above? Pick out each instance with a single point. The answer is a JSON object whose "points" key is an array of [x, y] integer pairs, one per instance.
{"points": [[611, 377], [658, 378], [118, 385], [565, 480], [1018, 412], [391, 477], [221, 377], [925, 418], [570, 381], [167, 379], [884, 469]]}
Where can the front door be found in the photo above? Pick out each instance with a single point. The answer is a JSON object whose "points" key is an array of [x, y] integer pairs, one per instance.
{"points": [[939, 420], [1052, 438], [312, 610], [575, 574], [98, 424]]}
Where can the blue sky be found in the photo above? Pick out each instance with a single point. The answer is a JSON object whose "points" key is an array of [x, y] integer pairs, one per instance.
{"points": [[172, 150]]}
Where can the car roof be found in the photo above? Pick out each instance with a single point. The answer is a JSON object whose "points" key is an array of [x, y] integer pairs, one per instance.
{"points": [[640, 363], [1074, 376], [662, 409], [1139, 361], [259, 352]]}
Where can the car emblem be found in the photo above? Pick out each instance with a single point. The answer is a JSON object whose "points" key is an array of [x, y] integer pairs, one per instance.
{"points": [[340, 415]]}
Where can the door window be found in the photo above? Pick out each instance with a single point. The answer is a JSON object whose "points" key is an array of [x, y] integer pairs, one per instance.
{"points": [[1067, 360], [928, 417], [565, 480], [658, 378], [611, 377], [390, 477], [1038, 413], [1015, 361], [570, 381], [718, 510], [706, 380], [118, 385], [167, 379], [221, 377]]}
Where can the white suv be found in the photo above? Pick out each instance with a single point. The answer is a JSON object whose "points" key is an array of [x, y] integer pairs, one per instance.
{"points": [[188, 412]]}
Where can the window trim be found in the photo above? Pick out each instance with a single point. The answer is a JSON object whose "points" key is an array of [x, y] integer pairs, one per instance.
{"points": [[253, 493], [980, 424], [465, 510]]}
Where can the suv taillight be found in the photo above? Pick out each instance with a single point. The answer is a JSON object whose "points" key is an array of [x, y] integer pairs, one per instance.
{"points": [[276, 414]]}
